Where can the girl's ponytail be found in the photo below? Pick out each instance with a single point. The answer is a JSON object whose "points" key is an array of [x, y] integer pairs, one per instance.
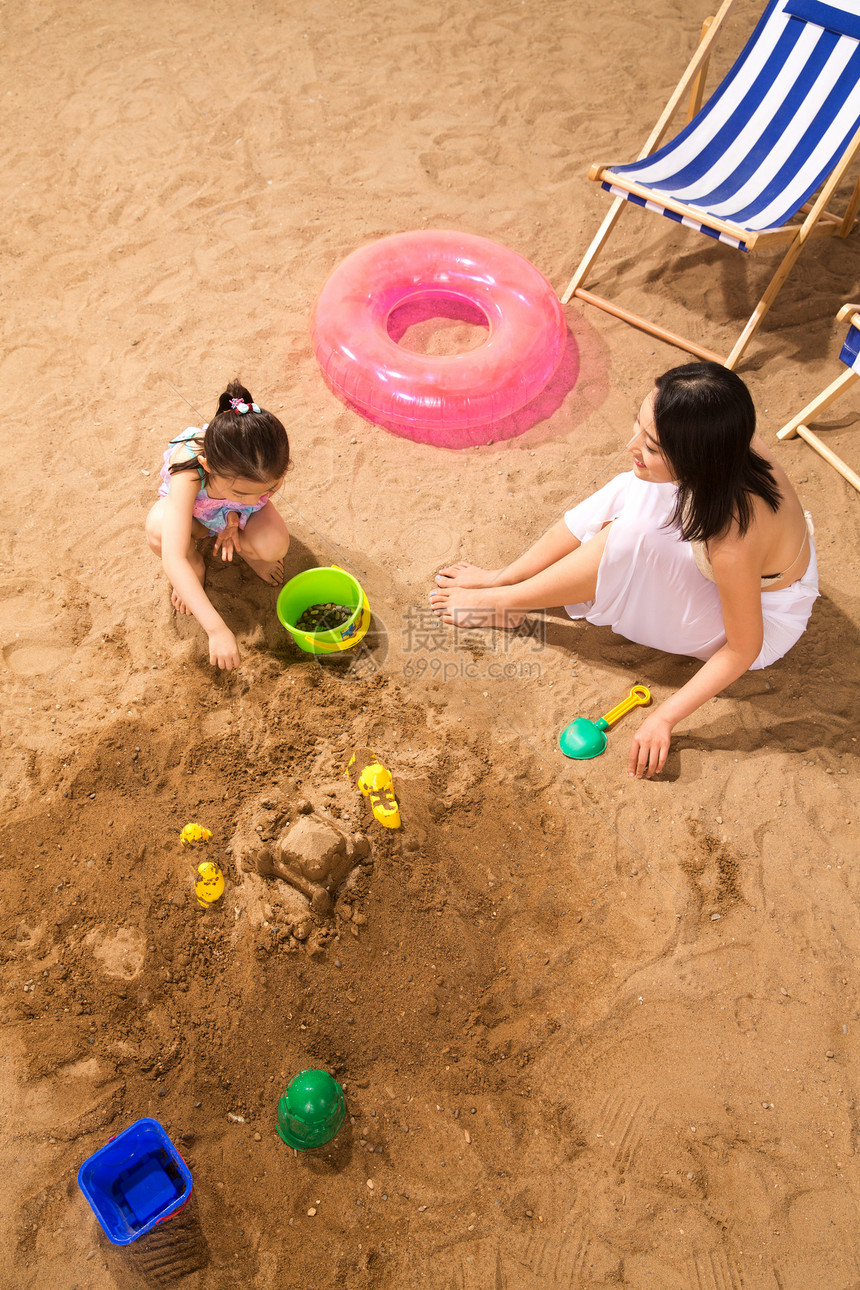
{"points": [[234, 391], [243, 441]]}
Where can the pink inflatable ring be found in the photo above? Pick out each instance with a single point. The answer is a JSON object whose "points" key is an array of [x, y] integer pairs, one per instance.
{"points": [[435, 398]]}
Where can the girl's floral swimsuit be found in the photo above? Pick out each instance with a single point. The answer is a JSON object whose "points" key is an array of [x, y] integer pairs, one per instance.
{"points": [[212, 512]]}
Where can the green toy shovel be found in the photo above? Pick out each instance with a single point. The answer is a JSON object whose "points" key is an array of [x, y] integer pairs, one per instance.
{"points": [[583, 739]]}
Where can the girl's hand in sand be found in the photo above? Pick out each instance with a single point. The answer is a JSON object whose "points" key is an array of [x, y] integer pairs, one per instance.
{"points": [[650, 746], [227, 541], [223, 650]]}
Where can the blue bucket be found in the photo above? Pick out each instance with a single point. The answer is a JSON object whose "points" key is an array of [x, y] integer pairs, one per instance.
{"points": [[134, 1181]]}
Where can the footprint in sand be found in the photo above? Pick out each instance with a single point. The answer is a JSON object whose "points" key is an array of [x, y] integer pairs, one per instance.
{"points": [[35, 631], [121, 952], [436, 541], [35, 658]]}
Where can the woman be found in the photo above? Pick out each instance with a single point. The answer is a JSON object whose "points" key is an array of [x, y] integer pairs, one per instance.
{"points": [[703, 549]]}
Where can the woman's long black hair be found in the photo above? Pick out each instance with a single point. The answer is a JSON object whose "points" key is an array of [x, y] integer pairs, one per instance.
{"points": [[705, 420], [242, 445]]}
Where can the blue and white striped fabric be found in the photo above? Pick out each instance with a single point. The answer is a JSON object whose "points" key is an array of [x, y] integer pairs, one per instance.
{"points": [[850, 352], [772, 131]]}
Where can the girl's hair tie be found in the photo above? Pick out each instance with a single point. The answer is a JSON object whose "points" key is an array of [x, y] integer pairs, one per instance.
{"points": [[240, 406]]}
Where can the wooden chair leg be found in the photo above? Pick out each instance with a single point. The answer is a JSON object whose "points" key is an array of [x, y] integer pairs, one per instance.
{"points": [[758, 314], [824, 400], [651, 329], [851, 212], [697, 89], [829, 456], [804, 232], [596, 247]]}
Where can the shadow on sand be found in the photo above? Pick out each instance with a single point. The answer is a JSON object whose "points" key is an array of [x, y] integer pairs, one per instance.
{"points": [[803, 703]]}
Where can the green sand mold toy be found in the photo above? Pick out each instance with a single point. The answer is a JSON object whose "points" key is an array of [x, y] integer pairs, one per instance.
{"points": [[584, 739], [311, 1110]]}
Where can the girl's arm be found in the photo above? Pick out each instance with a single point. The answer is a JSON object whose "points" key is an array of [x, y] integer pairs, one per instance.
{"points": [[738, 577], [175, 544]]}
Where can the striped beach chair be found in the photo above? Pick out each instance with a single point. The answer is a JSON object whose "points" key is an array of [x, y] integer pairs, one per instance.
{"points": [[756, 166], [850, 356]]}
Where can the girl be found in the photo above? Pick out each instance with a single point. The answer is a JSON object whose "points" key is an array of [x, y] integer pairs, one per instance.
{"points": [[702, 549], [218, 480]]}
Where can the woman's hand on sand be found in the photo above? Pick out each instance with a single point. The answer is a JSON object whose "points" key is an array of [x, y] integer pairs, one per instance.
{"points": [[650, 746], [227, 541], [223, 650]]}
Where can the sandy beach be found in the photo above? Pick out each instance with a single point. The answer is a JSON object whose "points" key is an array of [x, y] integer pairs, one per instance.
{"points": [[592, 1031]]}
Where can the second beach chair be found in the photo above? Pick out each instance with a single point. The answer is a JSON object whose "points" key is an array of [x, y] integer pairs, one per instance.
{"points": [[850, 356], [757, 166]]}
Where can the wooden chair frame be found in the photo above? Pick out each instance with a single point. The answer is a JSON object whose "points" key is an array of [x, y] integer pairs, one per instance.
{"points": [[834, 391], [817, 220]]}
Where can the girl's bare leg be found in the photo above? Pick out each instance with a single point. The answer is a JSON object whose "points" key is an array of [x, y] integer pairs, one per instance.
{"points": [[263, 543], [569, 580]]}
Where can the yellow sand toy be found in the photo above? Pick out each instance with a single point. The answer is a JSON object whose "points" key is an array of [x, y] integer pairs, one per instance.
{"points": [[194, 833], [374, 782], [211, 884]]}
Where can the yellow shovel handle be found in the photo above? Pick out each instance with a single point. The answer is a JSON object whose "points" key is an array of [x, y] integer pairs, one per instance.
{"points": [[638, 695]]}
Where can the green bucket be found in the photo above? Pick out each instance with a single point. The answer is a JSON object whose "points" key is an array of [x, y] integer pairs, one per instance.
{"points": [[324, 586]]}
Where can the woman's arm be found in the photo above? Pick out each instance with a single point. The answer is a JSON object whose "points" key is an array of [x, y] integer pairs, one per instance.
{"points": [[556, 543], [737, 571], [175, 544]]}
